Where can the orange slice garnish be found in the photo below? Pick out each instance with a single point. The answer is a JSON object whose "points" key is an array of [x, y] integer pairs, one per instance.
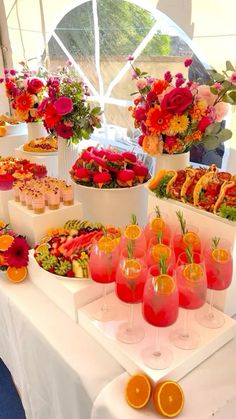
{"points": [[220, 255], [157, 225], [5, 242], [193, 272], [138, 391], [132, 268], [191, 239], [106, 244], [132, 232], [168, 398], [159, 251], [164, 284], [16, 275]]}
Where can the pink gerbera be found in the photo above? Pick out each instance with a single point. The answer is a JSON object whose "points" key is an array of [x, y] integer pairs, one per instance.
{"points": [[63, 105], [18, 253]]}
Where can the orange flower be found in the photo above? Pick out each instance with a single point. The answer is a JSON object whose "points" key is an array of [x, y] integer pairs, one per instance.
{"points": [[195, 136], [24, 102], [152, 144], [159, 86], [157, 120]]}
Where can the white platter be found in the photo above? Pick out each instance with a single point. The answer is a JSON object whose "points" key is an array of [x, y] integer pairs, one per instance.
{"points": [[35, 153]]}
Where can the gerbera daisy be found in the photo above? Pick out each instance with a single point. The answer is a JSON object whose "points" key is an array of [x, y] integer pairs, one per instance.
{"points": [[157, 120], [18, 253], [51, 116], [159, 86], [179, 123], [24, 102]]}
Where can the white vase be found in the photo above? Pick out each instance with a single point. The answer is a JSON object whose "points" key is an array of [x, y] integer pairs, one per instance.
{"points": [[171, 161], [67, 155], [113, 206], [36, 130]]}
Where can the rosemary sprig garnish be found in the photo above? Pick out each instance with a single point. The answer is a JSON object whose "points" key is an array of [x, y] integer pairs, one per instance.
{"points": [[182, 222], [134, 219], [159, 236], [130, 248], [215, 242], [157, 211], [189, 254], [163, 265]]}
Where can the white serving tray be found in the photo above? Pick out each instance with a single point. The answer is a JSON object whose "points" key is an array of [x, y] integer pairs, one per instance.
{"points": [[209, 225], [35, 226], [68, 294], [129, 355]]}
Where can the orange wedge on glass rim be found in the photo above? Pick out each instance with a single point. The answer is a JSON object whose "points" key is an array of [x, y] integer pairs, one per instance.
{"points": [[138, 391], [220, 255], [168, 398]]}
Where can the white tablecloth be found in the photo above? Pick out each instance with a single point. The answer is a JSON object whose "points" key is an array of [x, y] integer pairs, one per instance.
{"points": [[9, 143], [62, 373]]}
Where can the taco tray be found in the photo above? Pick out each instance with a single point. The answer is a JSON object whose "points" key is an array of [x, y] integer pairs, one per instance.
{"points": [[209, 225]]}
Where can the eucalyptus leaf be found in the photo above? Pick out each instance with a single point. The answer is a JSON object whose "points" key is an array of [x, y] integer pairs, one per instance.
{"points": [[211, 142], [213, 129], [219, 77], [229, 66], [228, 99], [213, 90], [226, 84], [95, 110], [232, 95], [224, 135], [85, 134]]}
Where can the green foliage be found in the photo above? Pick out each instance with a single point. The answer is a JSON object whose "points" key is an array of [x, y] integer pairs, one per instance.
{"points": [[228, 212]]}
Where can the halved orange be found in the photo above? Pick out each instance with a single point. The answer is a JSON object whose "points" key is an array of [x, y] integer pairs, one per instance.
{"points": [[168, 398], [159, 251], [157, 225], [164, 284], [106, 244], [193, 272], [191, 239], [16, 275], [138, 391], [220, 255], [132, 268], [132, 232], [5, 242]]}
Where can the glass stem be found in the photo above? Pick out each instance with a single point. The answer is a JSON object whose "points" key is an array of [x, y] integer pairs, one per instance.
{"points": [[104, 298], [157, 349], [185, 333], [210, 313], [131, 316]]}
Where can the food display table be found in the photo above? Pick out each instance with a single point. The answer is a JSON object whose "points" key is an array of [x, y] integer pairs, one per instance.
{"points": [[5, 197], [9, 143], [47, 159]]}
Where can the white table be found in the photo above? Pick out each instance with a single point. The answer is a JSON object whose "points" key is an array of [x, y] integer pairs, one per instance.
{"points": [[62, 373], [9, 143]]}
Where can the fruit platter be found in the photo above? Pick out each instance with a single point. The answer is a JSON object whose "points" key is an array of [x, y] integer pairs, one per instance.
{"points": [[12, 169], [65, 251], [108, 168], [208, 189], [41, 145]]}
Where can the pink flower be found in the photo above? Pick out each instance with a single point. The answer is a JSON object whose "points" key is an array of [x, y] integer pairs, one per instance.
{"points": [[140, 140], [232, 78], [13, 72], [134, 75], [151, 96], [203, 92], [63, 105], [221, 110], [218, 86], [179, 76], [63, 131], [130, 58], [203, 123], [68, 63], [6, 71], [141, 84], [1, 80], [179, 82], [177, 100], [168, 77], [139, 114], [188, 62]]}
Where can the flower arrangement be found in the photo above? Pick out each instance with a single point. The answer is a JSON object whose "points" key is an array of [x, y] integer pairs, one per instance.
{"points": [[14, 253], [173, 113], [65, 111], [25, 90], [106, 168]]}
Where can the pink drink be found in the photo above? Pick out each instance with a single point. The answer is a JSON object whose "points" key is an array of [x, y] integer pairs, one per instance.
{"points": [[192, 292], [180, 246], [166, 234], [219, 273], [103, 265], [156, 251], [130, 282], [159, 309]]}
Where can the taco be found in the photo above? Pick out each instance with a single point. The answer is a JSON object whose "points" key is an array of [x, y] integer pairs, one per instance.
{"points": [[225, 205], [175, 184], [208, 188], [160, 181], [193, 176]]}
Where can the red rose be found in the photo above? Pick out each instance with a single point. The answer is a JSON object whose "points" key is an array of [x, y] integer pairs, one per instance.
{"points": [[177, 100], [203, 123], [139, 113], [34, 86]]}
